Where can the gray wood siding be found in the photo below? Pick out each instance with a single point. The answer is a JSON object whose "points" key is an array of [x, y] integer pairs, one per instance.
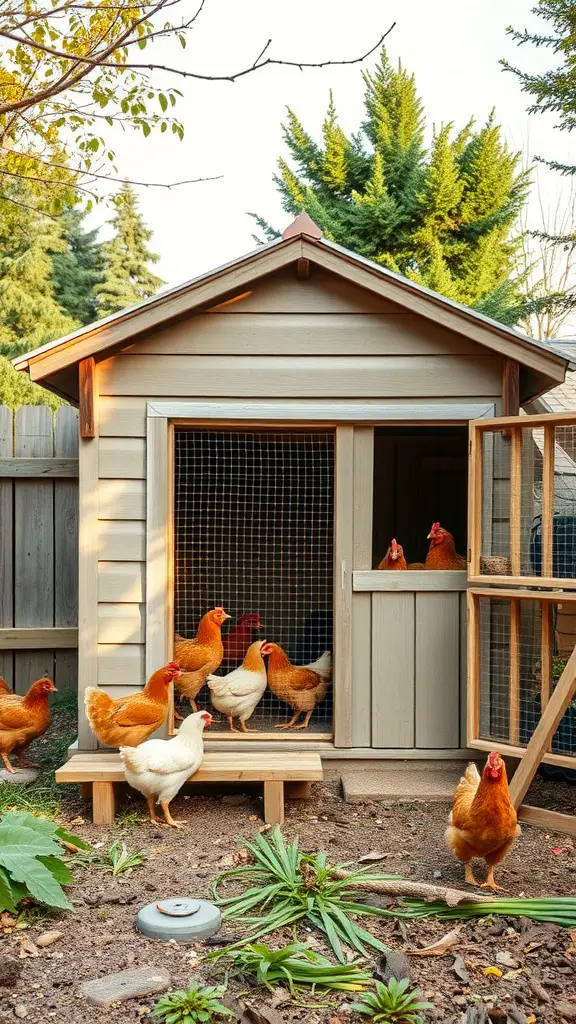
{"points": [[319, 339]]}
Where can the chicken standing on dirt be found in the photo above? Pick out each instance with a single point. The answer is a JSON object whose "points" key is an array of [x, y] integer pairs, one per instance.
{"points": [[483, 822], [128, 721], [23, 719], [237, 694], [201, 655], [159, 768], [300, 686], [394, 557], [442, 551]]}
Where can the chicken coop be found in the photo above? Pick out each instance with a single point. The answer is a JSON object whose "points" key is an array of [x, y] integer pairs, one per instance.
{"points": [[254, 438]]}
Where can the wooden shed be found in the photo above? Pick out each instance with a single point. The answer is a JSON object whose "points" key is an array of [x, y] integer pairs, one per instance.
{"points": [[254, 438]]}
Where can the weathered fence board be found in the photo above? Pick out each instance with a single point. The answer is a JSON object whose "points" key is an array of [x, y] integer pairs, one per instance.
{"points": [[38, 544]]}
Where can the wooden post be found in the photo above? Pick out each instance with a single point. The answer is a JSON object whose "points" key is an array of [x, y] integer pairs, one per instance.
{"points": [[274, 803], [514, 721], [103, 803], [548, 502], [545, 654], [475, 441], [542, 737], [473, 711], [303, 269], [516, 501], [87, 392], [510, 388]]}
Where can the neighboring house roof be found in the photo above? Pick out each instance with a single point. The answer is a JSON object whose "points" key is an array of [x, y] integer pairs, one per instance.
{"points": [[54, 364], [563, 397]]}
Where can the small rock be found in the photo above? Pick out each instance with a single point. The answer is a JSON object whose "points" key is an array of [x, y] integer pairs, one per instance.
{"points": [[537, 990], [116, 988], [10, 971], [505, 957], [49, 938], [227, 861], [437, 874], [375, 900], [22, 777], [393, 965], [460, 970], [236, 799], [516, 1016], [497, 1015], [20, 1011], [566, 1010]]}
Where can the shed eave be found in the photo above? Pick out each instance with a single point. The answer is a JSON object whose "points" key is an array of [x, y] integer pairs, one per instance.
{"points": [[208, 288]]}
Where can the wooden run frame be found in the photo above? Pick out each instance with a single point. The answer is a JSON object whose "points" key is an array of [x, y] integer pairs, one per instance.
{"points": [[553, 704], [515, 428]]}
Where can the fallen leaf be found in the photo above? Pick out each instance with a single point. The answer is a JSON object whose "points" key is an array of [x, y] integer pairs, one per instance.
{"points": [[531, 1019], [537, 990], [532, 946], [505, 958], [78, 821], [227, 861], [27, 947], [252, 817], [460, 970], [492, 972], [441, 947], [373, 855], [262, 1015], [49, 938]]}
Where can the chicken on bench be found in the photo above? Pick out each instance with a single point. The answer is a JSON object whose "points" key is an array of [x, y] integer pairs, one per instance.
{"points": [[99, 774]]}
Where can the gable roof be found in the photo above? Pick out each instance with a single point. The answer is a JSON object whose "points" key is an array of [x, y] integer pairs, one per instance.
{"points": [[53, 364]]}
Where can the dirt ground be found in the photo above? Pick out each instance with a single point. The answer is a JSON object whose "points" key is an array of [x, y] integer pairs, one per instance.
{"points": [[539, 973]]}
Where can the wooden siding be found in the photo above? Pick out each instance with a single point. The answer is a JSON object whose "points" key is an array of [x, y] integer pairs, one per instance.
{"points": [[301, 376], [283, 339]]}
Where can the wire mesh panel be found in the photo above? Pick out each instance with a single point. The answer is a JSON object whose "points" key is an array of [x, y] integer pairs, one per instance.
{"points": [[254, 532], [526, 496], [522, 644]]}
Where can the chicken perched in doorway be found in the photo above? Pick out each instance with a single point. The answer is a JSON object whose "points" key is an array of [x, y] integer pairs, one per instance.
{"points": [[238, 639], [237, 694], [483, 821], [128, 721], [442, 551], [159, 768], [394, 557], [201, 655], [300, 686], [23, 719]]}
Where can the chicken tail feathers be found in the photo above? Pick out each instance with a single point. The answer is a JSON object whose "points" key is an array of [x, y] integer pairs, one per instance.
{"points": [[129, 758]]}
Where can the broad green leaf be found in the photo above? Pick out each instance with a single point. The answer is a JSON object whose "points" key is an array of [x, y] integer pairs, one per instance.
{"points": [[7, 897], [18, 839], [44, 825], [163, 101], [74, 840], [38, 879], [60, 871]]}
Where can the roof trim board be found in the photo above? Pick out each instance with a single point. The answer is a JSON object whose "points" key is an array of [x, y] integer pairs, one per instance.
{"points": [[208, 288]]}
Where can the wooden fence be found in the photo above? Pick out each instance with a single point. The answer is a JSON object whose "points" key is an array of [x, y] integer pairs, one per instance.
{"points": [[38, 546]]}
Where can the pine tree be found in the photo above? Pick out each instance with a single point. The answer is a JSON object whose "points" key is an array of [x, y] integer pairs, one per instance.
{"points": [[553, 91], [441, 216], [78, 268], [127, 275]]}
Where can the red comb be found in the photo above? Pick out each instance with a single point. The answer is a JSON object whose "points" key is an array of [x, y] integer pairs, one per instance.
{"points": [[434, 527]]}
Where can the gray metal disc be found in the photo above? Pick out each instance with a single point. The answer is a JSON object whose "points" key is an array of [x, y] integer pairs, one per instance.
{"points": [[183, 919]]}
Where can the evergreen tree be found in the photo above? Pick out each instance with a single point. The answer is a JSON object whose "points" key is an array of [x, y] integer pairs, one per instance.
{"points": [[553, 91], [78, 268], [127, 275], [441, 216]]}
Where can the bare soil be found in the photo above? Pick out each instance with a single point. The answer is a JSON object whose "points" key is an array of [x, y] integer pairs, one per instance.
{"points": [[99, 937]]}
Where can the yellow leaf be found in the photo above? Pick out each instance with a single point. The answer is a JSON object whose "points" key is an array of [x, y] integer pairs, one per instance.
{"points": [[493, 972], [531, 1019]]}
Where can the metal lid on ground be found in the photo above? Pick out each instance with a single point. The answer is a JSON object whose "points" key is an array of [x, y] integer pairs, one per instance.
{"points": [[183, 919]]}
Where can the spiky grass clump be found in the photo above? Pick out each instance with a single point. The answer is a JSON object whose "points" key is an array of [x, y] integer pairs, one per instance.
{"points": [[289, 887], [295, 966], [393, 1003]]}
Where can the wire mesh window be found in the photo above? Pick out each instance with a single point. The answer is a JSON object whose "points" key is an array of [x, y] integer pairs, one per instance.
{"points": [[523, 645], [528, 502], [254, 532]]}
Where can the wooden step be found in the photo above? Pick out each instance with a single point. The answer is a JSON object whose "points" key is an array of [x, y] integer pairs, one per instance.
{"points": [[101, 771]]}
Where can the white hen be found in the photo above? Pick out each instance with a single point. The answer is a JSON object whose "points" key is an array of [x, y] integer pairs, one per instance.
{"points": [[159, 768], [237, 694]]}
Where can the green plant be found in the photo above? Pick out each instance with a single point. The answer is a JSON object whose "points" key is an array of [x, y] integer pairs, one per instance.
{"points": [[393, 1003], [294, 966], [30, 861], [560, 910], [118, 860], [197, 1003], [290, 886]]}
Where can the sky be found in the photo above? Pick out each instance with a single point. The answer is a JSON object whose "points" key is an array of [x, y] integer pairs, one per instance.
{"points": [[234, 129]]}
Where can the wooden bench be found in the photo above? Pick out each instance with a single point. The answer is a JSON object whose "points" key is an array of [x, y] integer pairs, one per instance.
{"points": [[98, 773]]}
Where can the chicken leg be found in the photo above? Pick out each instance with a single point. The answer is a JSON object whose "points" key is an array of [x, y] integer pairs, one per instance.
{"points": [[304, 724], [469, 875], [244, 727], [287, 725], [7, 764], [150, 800], [231, 723], [490, 883], [169, 819]]}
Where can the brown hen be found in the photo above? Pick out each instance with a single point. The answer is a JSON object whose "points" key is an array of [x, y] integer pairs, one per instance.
{"points": [[128, 721], [201, 655], [442, 551], [23, 719], [300, 686], [394, 557]]}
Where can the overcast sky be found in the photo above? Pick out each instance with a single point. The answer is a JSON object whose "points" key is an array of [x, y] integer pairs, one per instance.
{"points": [[234, 130]]}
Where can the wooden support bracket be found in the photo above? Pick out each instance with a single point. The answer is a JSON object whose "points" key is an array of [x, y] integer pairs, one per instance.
{"points": [[87, 390], [303, 269], [511, 388]]}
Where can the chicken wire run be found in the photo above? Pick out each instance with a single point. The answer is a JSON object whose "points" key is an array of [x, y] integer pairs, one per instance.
{"points": [[513, 485], [254, 532], [521, 659]]}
